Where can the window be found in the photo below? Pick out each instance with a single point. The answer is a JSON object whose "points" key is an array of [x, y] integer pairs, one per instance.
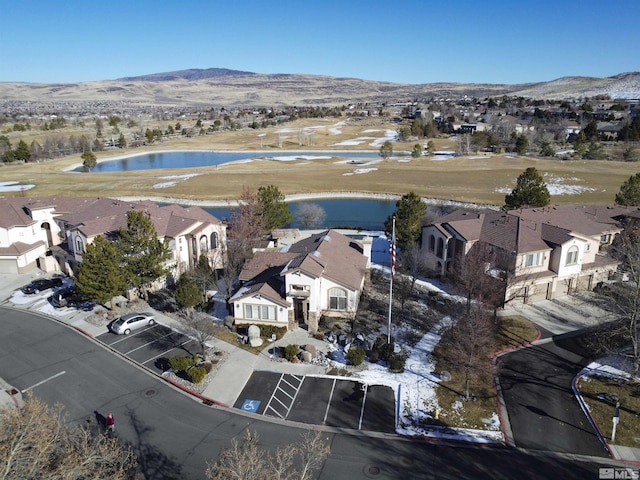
{"points": [[606, 238], [533, 260], [214, 240], [432, 243], [440, 248], [260, 312], [337, 299], [572, 256], [79, 244], [203, 244]]}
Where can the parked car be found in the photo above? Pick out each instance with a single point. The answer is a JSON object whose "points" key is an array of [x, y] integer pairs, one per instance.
{"points": [[131, 321], [70, 297], [62, 296], [41, 284]]}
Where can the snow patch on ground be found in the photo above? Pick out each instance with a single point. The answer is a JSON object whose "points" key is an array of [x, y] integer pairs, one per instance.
{"points": [[558, 186], [359, 171], [14, 187]]}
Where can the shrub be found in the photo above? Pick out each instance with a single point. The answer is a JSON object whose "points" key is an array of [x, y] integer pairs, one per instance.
{"points": [[290, 351], [267, 330], [374, 355], [180, 363], [197, 374], [396, 363], [355, 355]]}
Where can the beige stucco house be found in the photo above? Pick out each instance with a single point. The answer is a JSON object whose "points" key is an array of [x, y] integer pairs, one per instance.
{"points": [[319, 275]]}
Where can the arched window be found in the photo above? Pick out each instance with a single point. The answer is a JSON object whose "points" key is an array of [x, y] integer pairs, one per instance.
{"points": [[194, 246], [432, 243], [203, 244], [439, 248], [79, 244], [214, 240], [572, 256], [337, 299]]}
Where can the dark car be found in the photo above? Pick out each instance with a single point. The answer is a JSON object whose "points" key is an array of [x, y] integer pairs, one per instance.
{"points": [[62, 297], [41, 284], [70, 297]]}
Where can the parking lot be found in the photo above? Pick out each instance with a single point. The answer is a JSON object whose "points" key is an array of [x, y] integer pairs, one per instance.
{"points": [[318, 400], [151, 346]]}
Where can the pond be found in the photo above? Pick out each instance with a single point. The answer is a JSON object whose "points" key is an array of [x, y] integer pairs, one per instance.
{"points": [[191, 159], [365, 214]]}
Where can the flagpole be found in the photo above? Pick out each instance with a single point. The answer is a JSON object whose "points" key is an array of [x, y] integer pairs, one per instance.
{"points": [[392, 251]]}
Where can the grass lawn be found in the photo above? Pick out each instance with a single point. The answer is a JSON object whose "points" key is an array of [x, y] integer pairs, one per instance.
{"points": [[512, 331], [476, 178], [602, 407]]}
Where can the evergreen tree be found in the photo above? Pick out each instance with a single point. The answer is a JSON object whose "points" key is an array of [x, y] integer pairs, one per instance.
{"points": [[410, 210], [417, 151], [188, 294], [88, 159], [629, 194], [275, 211], [143, 253], [100, 276], [530, 191], [22, 152], [386, 150]]}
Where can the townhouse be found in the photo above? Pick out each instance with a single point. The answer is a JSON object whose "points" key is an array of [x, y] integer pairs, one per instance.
{"points": [[538, 253], [51, 233]]}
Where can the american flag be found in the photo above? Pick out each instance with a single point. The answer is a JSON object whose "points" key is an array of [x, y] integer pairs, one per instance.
{"points": [[392, 250]]}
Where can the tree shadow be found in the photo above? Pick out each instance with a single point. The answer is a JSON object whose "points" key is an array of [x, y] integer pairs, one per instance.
{"points": [[152, 463]]}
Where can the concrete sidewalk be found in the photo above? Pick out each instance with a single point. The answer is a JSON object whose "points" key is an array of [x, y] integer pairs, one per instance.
{"points": [[233, 375]]}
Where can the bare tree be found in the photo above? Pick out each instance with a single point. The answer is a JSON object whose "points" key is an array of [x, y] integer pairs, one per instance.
{"points": [[245, 230], [246, 460], [623, 336], [471, 340], [35, 442], [413, 262], [309, 215], [199, 326]]}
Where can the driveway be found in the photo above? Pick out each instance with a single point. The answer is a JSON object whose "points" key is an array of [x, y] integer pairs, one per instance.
{"points": [[543, 412]]}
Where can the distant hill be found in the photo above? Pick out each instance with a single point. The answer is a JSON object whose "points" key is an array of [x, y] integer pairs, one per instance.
{"points": [[191, 74], [224, 87]]}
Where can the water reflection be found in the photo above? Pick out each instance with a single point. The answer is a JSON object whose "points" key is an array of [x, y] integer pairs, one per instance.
{"points": [[152, 161], [365, 214]]}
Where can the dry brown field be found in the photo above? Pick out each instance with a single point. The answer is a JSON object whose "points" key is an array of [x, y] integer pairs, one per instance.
{"points": [[474, 179]]}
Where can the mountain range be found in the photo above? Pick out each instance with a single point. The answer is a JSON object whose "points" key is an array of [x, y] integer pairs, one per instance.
{"points": [[224, 87]]}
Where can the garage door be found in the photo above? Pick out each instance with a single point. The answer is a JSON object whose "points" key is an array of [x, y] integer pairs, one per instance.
{"points": [[8, 265], [537, 292]]}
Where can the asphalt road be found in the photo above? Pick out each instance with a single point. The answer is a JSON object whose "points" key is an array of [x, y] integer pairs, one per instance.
{"points": [[174, 436], [544, 414]]}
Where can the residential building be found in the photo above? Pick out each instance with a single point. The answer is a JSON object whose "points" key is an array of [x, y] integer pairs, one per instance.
{"points": [[322, 274], [538, 253], [51, 233]]}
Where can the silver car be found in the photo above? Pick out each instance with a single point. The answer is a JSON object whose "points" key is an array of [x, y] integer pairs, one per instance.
{"points": [[131, 321]]}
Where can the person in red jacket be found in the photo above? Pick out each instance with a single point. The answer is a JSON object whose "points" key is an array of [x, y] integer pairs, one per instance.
{"points": [[111, 422]]}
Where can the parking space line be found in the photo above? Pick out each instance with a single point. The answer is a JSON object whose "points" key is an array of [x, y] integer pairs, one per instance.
{"points": [[278, 388], [293, 400], [272, 396], [149, 343], [326, 413], [165, 352], [364, 400], [124, 337]]}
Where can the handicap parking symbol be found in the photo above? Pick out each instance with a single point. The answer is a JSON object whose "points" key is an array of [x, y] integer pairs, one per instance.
{"points": [[250, 405]]}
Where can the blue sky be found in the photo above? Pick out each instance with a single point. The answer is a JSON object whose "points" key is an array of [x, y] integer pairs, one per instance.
{"points": [[406, 41]]}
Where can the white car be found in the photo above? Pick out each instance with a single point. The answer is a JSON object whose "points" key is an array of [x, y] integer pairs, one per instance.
{"points": [[131, 321]]}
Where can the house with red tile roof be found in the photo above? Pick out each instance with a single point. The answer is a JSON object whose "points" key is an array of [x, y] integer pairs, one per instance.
{"points": [[322, 274], [51, 233], [549, 251]]}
